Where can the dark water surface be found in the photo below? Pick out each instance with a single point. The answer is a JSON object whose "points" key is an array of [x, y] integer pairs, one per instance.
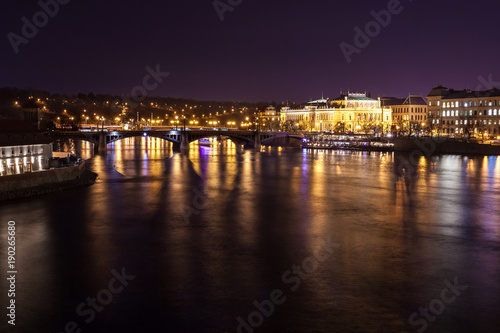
{"points": [[341, 241]]}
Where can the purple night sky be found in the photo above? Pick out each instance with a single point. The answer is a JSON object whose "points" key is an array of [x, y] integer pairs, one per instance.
{"points": [[261, 51]]}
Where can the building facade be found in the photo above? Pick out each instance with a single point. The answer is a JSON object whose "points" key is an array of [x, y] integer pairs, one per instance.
{"points": [[269, 119], [350, 113], [22, 149], [410, 115], [464, 112]]}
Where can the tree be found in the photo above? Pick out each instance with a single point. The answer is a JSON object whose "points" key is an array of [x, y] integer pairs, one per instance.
{"points": [[339, 128], [288, 126]]}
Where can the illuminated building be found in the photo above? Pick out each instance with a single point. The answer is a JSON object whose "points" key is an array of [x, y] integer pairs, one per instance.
{"points": [[464, 112], [410, 114], [22, 148], [351, 112], [269, 119]]}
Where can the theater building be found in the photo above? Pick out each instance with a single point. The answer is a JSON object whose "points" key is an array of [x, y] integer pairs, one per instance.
{"points": [[349, 113]]}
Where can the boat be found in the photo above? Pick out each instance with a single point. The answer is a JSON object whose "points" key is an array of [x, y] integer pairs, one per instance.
{"points": [[204, 142]]}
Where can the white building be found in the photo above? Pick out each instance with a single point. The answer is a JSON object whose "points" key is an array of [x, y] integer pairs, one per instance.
{"points": [[22, 148], [352, 112]]}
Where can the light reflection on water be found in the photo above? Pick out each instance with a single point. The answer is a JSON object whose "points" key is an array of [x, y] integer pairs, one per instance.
{"points": [[208, 232]]}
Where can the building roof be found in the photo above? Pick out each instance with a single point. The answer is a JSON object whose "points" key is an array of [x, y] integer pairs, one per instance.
{"points": [[19, 133], [439, 91], [415, 100], [447, 93], [318, 101], [391, 101], [456, 94], [354, 97]]}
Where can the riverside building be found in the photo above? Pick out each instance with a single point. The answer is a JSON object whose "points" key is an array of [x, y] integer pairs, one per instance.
{"points": [[22, 148], [349, 113], [464, 112], [410, 114]]}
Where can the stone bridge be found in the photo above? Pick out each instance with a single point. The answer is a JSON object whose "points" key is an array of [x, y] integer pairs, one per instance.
{"points": [[180, 139]]}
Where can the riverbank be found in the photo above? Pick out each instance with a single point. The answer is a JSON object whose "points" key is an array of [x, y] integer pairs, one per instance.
{"points": [[441, 145], [44, 182]]}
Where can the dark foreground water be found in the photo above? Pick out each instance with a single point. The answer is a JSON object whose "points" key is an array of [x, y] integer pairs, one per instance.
{"points": [[232, 240]]}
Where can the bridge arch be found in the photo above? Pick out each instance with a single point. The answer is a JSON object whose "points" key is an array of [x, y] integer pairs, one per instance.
{"points": [[235, 138], [101, 139], [174, 138]]}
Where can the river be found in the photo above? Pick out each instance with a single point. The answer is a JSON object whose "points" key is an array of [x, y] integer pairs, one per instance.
{"points": [[279, 240]]}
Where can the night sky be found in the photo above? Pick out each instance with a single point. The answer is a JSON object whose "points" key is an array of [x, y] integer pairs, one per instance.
{"points": [[261, 51]]}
